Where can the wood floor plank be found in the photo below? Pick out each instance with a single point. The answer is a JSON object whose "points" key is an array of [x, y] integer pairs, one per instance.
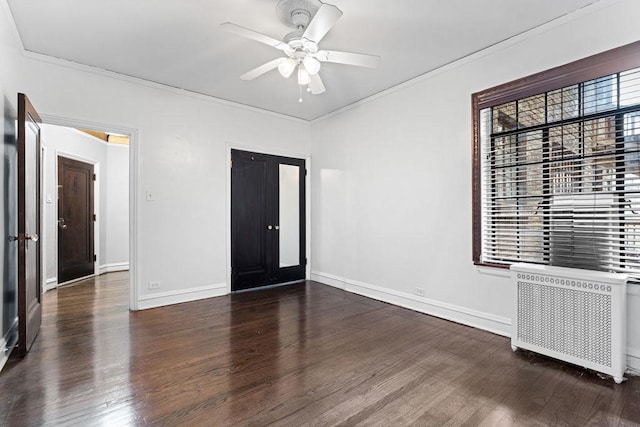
{"points": [[305, 354]]}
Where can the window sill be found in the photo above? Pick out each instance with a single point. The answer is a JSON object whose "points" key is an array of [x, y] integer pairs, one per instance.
{"points": [[494, 271]]}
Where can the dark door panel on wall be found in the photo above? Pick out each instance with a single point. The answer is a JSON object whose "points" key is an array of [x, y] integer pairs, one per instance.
{"points": [[249, 220], [75, 219], [267, 220], [28, 238], [9, 288]]}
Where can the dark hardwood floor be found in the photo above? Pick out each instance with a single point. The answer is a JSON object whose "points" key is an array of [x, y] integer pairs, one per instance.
{"points": [[299, 355]]}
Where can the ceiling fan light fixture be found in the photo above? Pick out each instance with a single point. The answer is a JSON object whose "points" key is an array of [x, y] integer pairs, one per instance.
{"points": [[303, 76], [287, 67], [312, 65], [312, 20]]}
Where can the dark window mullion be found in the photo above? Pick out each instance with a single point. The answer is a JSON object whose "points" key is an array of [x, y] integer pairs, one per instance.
{"points": [[492, 196], [546, 196], [620, 184], [518, 253], [581, 117], [620, 172]]}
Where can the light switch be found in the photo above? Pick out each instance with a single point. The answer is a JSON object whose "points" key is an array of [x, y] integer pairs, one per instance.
{"points": [[48, 198]]}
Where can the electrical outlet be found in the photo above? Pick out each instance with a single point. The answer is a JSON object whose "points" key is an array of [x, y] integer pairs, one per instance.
{"points": [[154, 285], [419, 291]]}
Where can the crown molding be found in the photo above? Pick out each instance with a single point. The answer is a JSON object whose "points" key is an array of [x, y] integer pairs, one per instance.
{"points": [[6, 9], [511, 41], [39, 57], [474, 56]]}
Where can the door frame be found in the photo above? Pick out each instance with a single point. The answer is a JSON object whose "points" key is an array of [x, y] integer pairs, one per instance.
{"points": [[307, 182], [134, 179], [96, 210]]}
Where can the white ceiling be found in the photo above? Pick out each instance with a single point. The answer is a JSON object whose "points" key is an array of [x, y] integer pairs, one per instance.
{"points": [[179, 42]]}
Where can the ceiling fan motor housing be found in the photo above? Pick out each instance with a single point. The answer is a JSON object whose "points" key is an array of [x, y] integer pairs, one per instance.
{"points": [[300, 18], [297, 13]]}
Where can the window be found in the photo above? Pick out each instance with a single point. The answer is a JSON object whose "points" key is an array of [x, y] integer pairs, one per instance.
{"points": [[557, 167]]}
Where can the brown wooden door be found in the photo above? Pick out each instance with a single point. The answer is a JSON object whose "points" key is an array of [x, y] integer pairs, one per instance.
{"points": [[29, 251], [75, 219]]}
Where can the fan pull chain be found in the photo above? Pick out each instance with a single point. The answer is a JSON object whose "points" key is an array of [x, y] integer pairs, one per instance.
{"points": [[299, 94]]}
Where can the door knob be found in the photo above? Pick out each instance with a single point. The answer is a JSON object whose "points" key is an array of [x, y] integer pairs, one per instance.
{"points": [[269, 227], [277, 227], [61, 224], [33, 237]]}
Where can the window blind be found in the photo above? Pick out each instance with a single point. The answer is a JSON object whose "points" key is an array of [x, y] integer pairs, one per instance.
{"points": [[560, 176]]}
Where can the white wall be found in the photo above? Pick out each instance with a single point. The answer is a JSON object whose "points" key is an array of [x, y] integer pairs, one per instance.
{"points": [[111, 165], [181, 149], [391, 178], [117, 206], [8, 164]]}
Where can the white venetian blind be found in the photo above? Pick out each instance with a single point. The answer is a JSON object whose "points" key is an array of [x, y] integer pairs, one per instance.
{"points": [[560, 177]]}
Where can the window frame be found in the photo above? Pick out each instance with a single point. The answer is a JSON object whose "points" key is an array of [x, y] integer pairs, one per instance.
{"points": [[609, 62]]}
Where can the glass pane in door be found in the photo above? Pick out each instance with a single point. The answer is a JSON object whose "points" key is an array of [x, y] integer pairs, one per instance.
{"points": [[289, 185]]}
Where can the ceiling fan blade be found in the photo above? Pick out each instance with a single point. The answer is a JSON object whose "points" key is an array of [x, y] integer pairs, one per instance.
{"points": [[358, 59], [324, 19], [254, 35], [316, 85], [264, 68]]}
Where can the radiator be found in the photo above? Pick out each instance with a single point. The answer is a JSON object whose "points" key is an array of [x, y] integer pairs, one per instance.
{"points": [[574, 315]]}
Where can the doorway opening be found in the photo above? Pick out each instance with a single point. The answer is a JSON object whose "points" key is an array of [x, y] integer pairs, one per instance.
{"points": [[87, 202]]}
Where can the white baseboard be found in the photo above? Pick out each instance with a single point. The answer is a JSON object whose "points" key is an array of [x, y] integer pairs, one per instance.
{"points": [[633, 360], [50, 284], [477, 319], [8, 342], [455, 313], [180, 296], [79, 279], [329, 279], [111, 268], [465, 316]]}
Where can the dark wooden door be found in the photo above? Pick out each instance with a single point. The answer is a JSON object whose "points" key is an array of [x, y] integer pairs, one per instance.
{"points": [[75, 219], [267, 220], [29, 251]]}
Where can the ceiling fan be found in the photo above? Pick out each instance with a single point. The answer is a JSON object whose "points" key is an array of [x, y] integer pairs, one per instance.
{"points": [[312, 20]]}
